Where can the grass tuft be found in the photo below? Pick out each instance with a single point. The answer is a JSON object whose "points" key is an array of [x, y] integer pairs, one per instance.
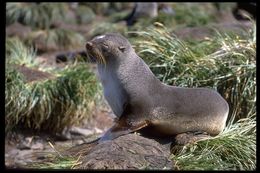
{"points": [[58, 161], [54, 39], [18, 53], [233, 149], [51, 104]]}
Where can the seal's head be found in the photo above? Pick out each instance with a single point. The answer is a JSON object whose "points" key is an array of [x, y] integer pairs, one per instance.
{"points": [[108, 47]]}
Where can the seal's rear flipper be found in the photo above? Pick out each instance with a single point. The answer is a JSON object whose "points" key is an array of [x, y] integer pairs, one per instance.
{"points": [[183, 139], [191, 137], [120, 129]]}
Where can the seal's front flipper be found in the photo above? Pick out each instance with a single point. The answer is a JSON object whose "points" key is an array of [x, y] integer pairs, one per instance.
{"points": [[120, 129], [113, 133]]}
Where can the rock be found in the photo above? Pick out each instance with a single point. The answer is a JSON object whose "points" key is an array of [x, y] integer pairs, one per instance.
{"points": [[33, 74], [125, 152], [71, 56], [25, 144], [81, 131], [37, 146], [202, 32], [17, 29]]}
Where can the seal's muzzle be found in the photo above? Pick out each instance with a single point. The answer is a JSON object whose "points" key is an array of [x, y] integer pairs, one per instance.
{"points": [[94, 53]]}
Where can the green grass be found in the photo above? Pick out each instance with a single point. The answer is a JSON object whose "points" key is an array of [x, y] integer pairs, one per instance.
{"points": [[18, 53], [50, 104], [233, 149], [194, 14], [57, 162], [14, 83]]}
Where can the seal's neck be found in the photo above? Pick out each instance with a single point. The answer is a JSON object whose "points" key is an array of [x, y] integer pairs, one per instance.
{"points": [[129, 71], [128, 78], [135, 70]]}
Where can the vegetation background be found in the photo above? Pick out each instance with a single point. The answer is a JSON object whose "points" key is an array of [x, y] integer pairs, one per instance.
{"points": [[197, 45]]}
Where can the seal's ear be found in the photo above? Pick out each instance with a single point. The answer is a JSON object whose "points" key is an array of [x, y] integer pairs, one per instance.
{"points": [[121, 48]]}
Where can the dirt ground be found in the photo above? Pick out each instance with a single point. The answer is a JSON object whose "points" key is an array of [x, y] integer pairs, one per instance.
{"points": [[25, 147]]}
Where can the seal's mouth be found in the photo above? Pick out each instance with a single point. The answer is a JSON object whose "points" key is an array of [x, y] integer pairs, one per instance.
{"points": [[94, 54]]}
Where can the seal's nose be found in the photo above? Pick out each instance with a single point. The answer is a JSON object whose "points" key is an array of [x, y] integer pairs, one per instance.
{"points": [[89, 45]]}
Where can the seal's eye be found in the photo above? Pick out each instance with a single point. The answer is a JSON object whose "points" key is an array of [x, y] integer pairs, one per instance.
{"points": [[105, 46], [121, 48]]}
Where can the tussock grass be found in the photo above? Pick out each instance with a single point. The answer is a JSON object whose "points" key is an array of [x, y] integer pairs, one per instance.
{"points": [[194, 14], [41, 17], [105, 27], [56, 38], [233, 149], [14, 84], [224, 62], [50, 104], [18, 53], [84, 14], [99, 8], [36, 15]]}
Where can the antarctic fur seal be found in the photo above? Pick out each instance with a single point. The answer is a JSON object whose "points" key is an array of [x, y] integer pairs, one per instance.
{"points": [[139, 99]]}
